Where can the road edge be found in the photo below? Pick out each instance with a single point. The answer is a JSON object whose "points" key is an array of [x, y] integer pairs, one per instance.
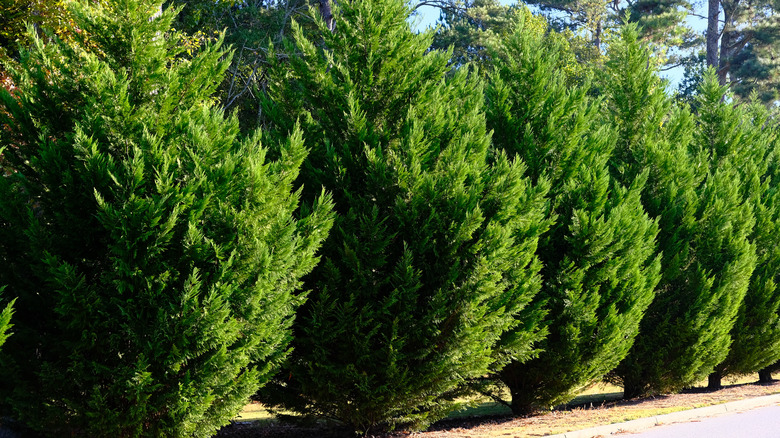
{"points": [[641, 424]]}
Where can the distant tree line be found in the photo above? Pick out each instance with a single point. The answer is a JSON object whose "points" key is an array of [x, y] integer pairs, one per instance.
{"points": [[346, 219]]}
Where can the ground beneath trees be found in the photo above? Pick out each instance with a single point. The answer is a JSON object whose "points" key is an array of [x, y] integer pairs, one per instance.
{"points": [[593, 413]]}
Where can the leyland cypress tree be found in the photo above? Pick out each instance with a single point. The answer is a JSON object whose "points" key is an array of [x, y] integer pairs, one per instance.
{"points": [[742, 132], [154, 254], [599, 265], [432, 254], [704, 224]]}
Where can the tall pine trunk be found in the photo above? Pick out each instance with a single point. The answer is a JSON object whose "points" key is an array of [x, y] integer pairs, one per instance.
{"points": [[726, 53], [712, 37]]}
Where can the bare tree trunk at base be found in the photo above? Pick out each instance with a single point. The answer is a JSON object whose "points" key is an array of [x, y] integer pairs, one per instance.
{"points": [[714, 380], [765, 376]]}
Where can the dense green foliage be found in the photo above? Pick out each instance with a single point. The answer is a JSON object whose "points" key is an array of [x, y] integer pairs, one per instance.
{"points": [[744, 131], [432, 254], [704, 223], [599, 266], [5, 321], [155, 256], [518, 207], [248, 26]]}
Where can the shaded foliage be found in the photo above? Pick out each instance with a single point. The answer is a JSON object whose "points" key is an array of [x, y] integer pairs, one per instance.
{"points": [[5, 321], [154, 254]]}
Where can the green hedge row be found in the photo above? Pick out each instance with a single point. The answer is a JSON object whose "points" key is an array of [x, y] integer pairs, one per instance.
{"points": [[399, 234]]}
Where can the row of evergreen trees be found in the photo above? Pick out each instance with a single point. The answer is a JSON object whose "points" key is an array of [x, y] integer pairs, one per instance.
{"points": [[155, 254], [400, 234]]}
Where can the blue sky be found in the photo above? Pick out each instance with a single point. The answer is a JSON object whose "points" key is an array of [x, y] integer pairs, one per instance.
{"points": [[427, 16]]}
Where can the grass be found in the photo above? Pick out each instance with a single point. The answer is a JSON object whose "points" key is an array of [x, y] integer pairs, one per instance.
{"points": [[596, 394], [583, 417], [580, 413], [255, 412]]}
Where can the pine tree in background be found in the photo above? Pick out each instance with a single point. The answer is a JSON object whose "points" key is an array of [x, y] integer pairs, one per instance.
{"points": [[661, 23], [704, 225], [469, 28], [432, 254], [155, 256], [742, 39], [599, 268], [248, 26], [742, 132], [477, 24]]}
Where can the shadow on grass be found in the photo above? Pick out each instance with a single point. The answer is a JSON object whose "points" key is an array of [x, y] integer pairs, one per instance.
{"points": [[489, 414]]}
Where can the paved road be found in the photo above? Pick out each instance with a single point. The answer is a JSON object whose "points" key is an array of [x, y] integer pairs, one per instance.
{"points": [[756, 423]]}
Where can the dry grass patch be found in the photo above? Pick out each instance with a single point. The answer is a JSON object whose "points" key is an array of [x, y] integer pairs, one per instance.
{"points": [[597, 406]]}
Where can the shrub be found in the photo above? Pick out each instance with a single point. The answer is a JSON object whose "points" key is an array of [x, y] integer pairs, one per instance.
{"points": [[432, 254], [155, 254], [704, 222], [600, 268], [5, 321], [740, 132]]}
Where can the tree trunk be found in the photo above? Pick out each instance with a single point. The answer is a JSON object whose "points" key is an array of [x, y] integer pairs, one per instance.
{"points": [[597, 39], [521, 405], [765, 376], [712, 35], [724, 64], [522, 395], [327, 14], [714, 379], [633, 389]]}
